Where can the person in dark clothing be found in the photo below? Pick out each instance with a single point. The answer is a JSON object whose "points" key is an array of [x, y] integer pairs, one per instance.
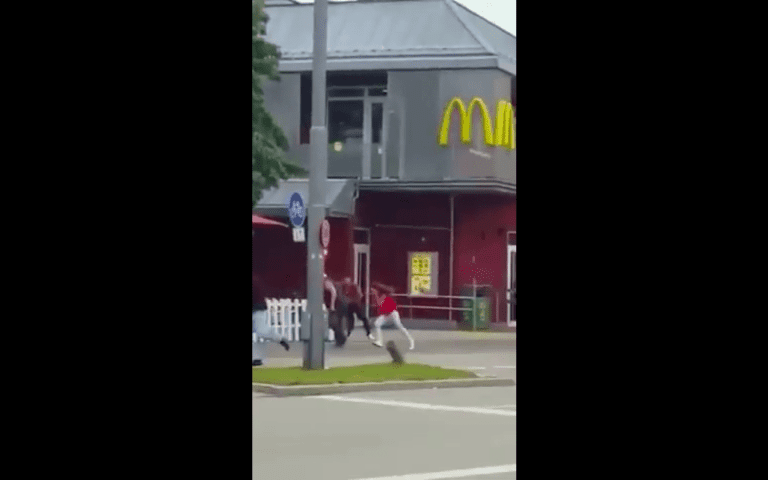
{"points": [[336, 317], [352, 297], [260, 322]]}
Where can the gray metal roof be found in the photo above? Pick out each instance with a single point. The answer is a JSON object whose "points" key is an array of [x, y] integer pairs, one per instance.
{"points": [[339, 196], [389, 35], [474, 186]]}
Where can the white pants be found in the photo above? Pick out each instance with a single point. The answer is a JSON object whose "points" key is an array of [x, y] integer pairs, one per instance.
{"points": [[262, 329], [395, 318]]}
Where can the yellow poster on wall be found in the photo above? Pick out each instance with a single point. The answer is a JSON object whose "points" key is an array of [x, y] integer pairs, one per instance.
{"points": [[421, 273], [421, 264], [420, 284]]}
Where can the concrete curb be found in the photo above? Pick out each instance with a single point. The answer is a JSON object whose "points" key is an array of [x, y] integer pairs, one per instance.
{"points": [[300, 390]]}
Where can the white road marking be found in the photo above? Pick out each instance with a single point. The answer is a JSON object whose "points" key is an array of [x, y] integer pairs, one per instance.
{"points": [[421, 406], [484, 368], [501, 406], [468, 472]]}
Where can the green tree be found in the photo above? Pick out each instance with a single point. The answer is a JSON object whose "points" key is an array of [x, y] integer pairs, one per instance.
{"points": [[268, 160]]}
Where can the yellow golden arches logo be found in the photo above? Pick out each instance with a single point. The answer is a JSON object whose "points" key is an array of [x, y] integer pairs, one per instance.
{"points": [[505, 129]]}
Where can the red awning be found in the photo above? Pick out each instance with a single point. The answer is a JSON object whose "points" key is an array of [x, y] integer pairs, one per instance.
{"points": [[261, 222]]}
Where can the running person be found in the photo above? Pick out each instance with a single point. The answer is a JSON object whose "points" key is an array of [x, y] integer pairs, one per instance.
{"points": [[352, 298], [335, 317], [387, 311], [260, 323]]}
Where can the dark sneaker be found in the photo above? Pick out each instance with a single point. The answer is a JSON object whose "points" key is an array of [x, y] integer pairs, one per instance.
{"points": [[285, 345]]}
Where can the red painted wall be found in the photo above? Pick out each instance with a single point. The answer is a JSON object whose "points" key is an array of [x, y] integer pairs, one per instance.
{"points": [[425, 209], [283, 262], [340, 260], [389, 263], [480, 245], [481, 225], [390, 245], [480, 242]]}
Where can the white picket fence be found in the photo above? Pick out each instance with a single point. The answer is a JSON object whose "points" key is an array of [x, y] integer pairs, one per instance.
{"points": [[285, 315]]}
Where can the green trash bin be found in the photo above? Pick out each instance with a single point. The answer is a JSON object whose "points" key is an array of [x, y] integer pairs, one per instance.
{"points": [[482, 313], [478, 317], [465, 322]]}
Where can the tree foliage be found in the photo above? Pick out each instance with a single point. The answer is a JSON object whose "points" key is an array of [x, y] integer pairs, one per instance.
{"points": [[269, 143]]}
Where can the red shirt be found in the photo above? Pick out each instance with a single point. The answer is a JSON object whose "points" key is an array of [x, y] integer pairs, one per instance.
{"points": [[387, 306]]}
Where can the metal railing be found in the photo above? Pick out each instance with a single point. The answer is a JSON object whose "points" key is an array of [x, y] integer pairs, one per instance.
{"points": [[410, 306], [285, 314]]}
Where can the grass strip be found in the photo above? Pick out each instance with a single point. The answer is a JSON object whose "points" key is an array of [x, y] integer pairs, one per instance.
{"points": [[384, 372]]}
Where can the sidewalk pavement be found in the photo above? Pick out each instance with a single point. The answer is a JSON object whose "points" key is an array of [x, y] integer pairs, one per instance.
{"points": [[302, 390], [442, 324], [491, 354]]}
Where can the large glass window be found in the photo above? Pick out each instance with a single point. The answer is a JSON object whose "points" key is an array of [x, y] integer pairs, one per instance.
{"points": [[357, 79], [355, 125], [345, 120], [346, 92], [305, 111], [377, 92], [377, 120]]}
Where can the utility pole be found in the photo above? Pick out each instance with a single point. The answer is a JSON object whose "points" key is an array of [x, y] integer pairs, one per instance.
{"points": [[314, 350]]}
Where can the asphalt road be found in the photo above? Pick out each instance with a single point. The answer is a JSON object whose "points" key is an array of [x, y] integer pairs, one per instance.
{"points": [[399, 435], [467, 433]]}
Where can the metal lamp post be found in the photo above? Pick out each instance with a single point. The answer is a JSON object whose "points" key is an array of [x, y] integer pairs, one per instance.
{"points": [[314, 350]]}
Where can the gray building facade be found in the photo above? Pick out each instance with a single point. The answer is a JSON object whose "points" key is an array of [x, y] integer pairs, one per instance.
{"points": [[422, 153], [394, 67]]}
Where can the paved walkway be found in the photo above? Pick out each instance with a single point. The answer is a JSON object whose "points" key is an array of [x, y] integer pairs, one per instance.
{"points": [[435, 324]]}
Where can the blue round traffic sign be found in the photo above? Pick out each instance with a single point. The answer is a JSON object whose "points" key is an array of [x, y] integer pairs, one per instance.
{"points": [[296, 210]]}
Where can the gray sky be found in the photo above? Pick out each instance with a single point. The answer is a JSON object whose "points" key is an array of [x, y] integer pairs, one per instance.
{"points": [[503, 13]]}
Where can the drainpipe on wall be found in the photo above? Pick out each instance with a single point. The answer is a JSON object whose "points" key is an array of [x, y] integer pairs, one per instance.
{"points": [[384, 139], [401, 139], [355, 196], [367, 137], [450, 267]]}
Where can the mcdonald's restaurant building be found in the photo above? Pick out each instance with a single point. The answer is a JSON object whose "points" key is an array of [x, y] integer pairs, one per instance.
{"points": [[421, 117]]}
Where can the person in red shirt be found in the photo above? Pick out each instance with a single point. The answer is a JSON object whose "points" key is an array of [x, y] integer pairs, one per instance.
{"points": [[387, 312]]}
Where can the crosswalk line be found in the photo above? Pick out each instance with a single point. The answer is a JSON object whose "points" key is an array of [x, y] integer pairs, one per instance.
{"points": [[467, 472]]}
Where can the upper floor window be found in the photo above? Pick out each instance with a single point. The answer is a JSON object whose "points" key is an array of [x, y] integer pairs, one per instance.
{"points": [[305, 108], [345, 118], [346, 113], [336, 92]]}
